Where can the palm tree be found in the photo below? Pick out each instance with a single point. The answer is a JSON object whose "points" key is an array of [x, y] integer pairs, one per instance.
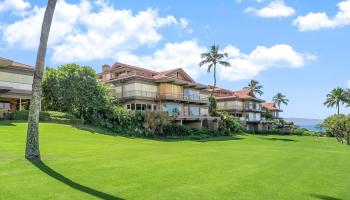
{"points": [[279, 98], [255, 87], [335, 97], [32, 145], [211, 59]]}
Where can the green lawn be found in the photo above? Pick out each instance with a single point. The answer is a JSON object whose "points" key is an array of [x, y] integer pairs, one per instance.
{"points": [[80, 164]]}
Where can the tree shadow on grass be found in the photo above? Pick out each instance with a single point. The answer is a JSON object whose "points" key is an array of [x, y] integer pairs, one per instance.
{"points": [[324, 197], [6, 123], [280, 139], [49, 171]]}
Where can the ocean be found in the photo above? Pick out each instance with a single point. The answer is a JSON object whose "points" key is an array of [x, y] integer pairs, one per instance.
{"points": [[311, 128]]}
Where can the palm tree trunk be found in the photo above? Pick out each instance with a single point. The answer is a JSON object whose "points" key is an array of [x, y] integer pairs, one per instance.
{"points": [[32, 145], [338, 108], [212, 93]]}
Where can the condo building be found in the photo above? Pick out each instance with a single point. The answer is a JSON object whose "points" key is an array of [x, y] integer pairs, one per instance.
{"points": [[15, 86], [173, 91], [252, 112]]}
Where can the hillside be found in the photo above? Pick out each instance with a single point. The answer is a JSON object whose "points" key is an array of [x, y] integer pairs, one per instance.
{"points": [[87, 164]]}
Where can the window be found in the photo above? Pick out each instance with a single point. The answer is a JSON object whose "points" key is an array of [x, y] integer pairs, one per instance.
{"points": [[172, 109], [220, 105], [140, 89], [128, 107], [5, 105], [193, 111], [191, 94], [204, 112]]}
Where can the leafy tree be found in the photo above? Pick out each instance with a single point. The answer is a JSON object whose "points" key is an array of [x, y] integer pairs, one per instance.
{"points": [[255, 87], [335, 97], [212, 105], [32, 144], [213, 58], [75, 89], [229, 124], [339, 127], [279, 99]]}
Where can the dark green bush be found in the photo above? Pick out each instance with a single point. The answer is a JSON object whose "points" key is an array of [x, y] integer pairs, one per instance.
{"points": [[178, 130], [229, 124], [47, 116]]}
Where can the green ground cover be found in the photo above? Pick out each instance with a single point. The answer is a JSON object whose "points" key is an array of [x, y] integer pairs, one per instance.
{"points": [[81, 164]]}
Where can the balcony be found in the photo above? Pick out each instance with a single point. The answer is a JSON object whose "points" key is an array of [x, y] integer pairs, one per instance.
{"points": [[234, 107], [162, 96], [179, 97]]}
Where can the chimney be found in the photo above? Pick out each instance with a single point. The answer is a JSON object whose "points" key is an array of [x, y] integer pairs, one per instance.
{"points": [[106, 68]]}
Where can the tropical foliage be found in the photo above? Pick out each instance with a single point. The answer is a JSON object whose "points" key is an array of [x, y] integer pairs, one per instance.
{"points": [[75, 89], [212, 105], [339, 127], [336, 97], [212, 58], [255, 87], [229, 124], [279, 99]]}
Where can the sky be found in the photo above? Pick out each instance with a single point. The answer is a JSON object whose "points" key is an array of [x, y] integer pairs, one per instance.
{"points": [[297, 47]]}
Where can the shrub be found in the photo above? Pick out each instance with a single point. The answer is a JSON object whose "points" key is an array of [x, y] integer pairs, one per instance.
{"points": [[184, 131], [229, 124], [339, 127], [154, 121], [47, 116]]}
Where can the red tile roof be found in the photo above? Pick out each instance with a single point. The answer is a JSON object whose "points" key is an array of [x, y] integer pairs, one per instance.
{"points": [[270, 106], [246, 94]]}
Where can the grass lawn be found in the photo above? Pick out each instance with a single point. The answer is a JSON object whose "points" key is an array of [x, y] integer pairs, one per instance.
{"points": [[80, 164]]}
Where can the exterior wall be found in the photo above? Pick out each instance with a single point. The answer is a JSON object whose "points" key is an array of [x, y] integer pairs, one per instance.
{"points": [[15, 89]]}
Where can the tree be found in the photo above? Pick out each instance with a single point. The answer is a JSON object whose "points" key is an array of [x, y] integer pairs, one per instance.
{"points": [[32, 144], [75, 89], [213, 58], [335, 97], [212, 105], [339, 127], [255, 87], [279, 99]]}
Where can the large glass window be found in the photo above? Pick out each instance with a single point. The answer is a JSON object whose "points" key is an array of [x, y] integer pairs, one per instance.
{"points": [[193, 111], [140, 89], [5, 105], [172, 109], [191, 94]]}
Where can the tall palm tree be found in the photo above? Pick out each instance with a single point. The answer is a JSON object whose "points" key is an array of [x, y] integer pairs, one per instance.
{"points": [[255, 87], [32, 145], [335, 97], [213, 58], [279, 99]]}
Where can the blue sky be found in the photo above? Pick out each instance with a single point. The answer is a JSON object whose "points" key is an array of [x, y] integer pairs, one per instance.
{"points": [[299, 48]]}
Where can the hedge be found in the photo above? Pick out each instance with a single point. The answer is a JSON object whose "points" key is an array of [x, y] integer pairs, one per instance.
{"points": [[47, 116]]}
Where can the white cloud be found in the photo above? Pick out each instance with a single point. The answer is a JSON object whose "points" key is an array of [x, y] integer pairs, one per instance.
{"points": [[89, 31], [348, 83], [244, 66], [276, 8], [318, 20], [14, 5], [185, 54], [247, 66]]}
